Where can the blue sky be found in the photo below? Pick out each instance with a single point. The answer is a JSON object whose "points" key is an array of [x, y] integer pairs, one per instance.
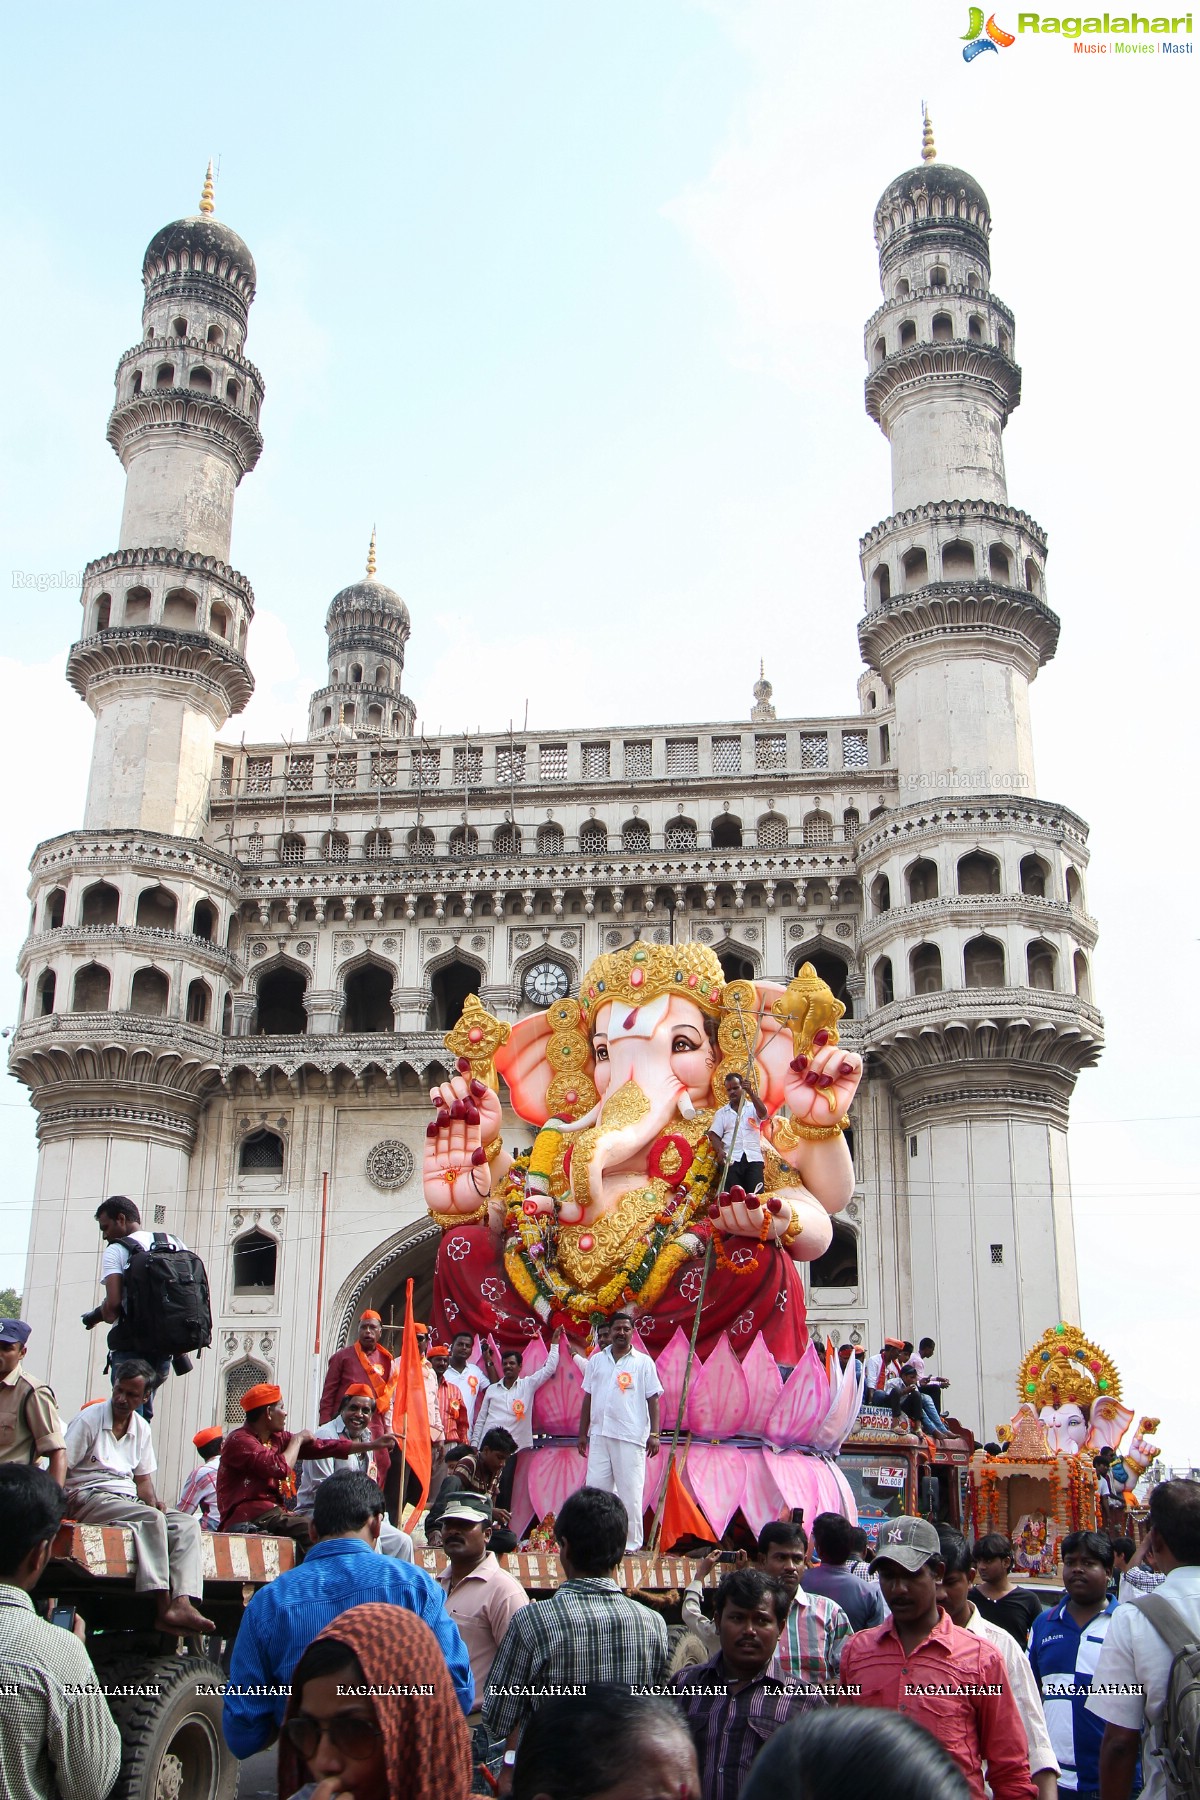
{"points": [[569, 301]]}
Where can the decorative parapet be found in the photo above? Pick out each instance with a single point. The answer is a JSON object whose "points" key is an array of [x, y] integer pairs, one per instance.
{"points": [[966, 909], [1030, 1028], [187, 562], [151, 852], [193, 412], [955, 513], [192, 656], [943, 609], [223, 352], [152, 940], [925, 365], [982, 816], [953, 289]]}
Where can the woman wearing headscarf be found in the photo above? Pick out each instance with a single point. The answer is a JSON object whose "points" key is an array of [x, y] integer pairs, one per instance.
{"points": [[402, 1737]]}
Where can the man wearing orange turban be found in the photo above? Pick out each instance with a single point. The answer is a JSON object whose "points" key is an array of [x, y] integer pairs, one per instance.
{"points": [[256, 1483], [364, 1361], [199, 1496]]}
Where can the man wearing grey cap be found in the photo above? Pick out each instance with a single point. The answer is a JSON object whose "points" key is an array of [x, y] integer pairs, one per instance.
{"points": [[29, 1423], [919, 1663], [481, 1599]]}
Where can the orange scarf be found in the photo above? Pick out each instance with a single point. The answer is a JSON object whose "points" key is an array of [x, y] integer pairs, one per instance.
{"points": [[382, 1386]]}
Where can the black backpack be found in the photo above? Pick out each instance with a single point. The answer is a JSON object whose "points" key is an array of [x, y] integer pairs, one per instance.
{"points": [[166, 1299], [1176, 1738]]}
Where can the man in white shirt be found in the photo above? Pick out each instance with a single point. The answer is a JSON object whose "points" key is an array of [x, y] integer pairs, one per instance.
{"points": [[602, 1336], [1135, 1662], [110, 1481], [509, 1401], [467, 1376], [618, 1427], [120, 1227], [737, 1124], [354, 1421]]}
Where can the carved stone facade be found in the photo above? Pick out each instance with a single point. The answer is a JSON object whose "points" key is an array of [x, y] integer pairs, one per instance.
{"points": [[239, 973]]}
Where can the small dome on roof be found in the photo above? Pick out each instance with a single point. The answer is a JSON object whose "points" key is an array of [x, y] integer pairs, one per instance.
{"points": [[201, 235], [942, 180], [368, 595]]}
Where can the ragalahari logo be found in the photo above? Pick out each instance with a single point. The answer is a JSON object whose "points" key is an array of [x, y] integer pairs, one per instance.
{"points": [[975, 42]]}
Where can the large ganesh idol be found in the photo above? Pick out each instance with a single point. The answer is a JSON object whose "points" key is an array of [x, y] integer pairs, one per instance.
{"points": [[613, 1206]]}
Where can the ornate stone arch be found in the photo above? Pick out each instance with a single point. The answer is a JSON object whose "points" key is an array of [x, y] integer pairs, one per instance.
{"points": [[734, 946], [540, 952], [412, 1237]]}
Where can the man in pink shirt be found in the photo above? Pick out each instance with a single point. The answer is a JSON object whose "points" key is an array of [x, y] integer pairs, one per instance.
{"points": [[949, 1681]]}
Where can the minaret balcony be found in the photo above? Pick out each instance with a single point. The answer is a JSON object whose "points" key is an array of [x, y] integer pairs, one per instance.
{"points": [[190, 656], [908, 626], [971, 912], [921, 366], [144, 940], [194, 414]]}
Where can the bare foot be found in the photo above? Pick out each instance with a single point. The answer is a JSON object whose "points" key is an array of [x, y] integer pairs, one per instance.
{"points": [[182, 1616]]}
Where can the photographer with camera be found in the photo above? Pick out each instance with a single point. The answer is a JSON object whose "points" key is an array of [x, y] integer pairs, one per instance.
{"points": [[155, 1296]]}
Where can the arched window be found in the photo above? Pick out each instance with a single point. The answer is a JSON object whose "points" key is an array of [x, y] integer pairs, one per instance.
{"points": [[281, 1011], [381, 675], [973, 284], [91, 990], [374, 718], [881, 894], [157, 908], [902, 288], [1005, 343], [137, 606], [464, 841], [1033, 577], [149, 994], [908, 334], [291, 848], [550, 840], [1041, 962], [883, 584], [925, 966], [938, 276], [327, 716], [999, 564], [958, 561], [179, 328], [975, 328], [880, 351], [448, 994], [838, 1267], [135, 385], [201, 378], [593, 839], [164, 375], [943, 328], [735, 967], [233, 392], [834, 972], [1074, 887], [233, 933], [726, 832], [771, 832], [916, 569], [254, 1261], [680, 834], [922, 878], [53, 909], [635, 837], [199, 1000], [204, 921], [983, 963], [377, 846], [885, 991], [356, 673], [1083, 979], [818, 828], [507, 840], [218, 621], [368, 999], [239, 1380], [103, 612], [978, 873], [101, 905], [45, 993], [335, 847], [1035, 877], [851, 823], [261, 1154], [227, 1016], [215, 335]]}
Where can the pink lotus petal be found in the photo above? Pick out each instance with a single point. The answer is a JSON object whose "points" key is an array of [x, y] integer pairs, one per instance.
{"points": [[639, 1345], [559, 1401], [848, 1504], [719, 1397], [798, 1478], [554, 1472], [802, 1405], [762, 1500], [764, 1383], [717, 1477], [656, 1480], [521, 1506], [535, 1354], [835, 1427], [670, 1365]]}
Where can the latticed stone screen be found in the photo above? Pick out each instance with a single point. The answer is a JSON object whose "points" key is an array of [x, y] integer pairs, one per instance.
{"points": [[421, 844], [550, 840], [464, 841], [337, 847], [851, 821], [468, 765], [595, 762], [292, 850], [426, 768], [377, 846], [510, 764], [681, 835], [255, 847], [299, 774], [854, 749], [814, 750], [593, 838], [818, 829], [682, 756], [258, 774], [342, 770], [385, 768], [508, 841], [637, 762], [552, 762], [727, 756], [772, 832], [636, 836], [770, 752], [238, 1381]]}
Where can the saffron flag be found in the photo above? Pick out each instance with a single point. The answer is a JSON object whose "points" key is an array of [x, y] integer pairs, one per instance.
{"points": [[410, 1412], [830, 1360], [681, 1517]]}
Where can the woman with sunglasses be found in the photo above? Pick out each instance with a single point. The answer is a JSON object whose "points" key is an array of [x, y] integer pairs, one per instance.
{"points": [[373, 1715]]}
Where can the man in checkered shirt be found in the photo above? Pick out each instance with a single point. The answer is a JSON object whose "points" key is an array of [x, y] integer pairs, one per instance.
{"points": [[810, 1645], [586, 1632]]}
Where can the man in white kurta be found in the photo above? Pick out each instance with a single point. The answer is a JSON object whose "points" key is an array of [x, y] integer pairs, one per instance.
{"points": [[618, 1427], [509, 1401]]}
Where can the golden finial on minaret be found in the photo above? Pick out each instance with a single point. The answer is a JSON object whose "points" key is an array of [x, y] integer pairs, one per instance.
{"points": [[208, 202], [928, 147], [371, 557]]}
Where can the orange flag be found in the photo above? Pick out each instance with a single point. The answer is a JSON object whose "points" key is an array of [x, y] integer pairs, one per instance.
{"points": [[681, 1517], [410, 1412], [830, 1359]]}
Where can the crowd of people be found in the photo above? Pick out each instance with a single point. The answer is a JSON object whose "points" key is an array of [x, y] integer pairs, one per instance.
{"points": [[812, 1664]]}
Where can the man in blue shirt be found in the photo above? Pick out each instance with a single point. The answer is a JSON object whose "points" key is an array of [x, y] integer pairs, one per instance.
{"points": [[343, 1569], [1064, 1650]]}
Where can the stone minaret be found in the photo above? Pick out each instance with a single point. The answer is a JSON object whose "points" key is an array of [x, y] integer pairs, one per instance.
{"points": [[132, 957], [368, 626], [161, 658], [976, 938]]}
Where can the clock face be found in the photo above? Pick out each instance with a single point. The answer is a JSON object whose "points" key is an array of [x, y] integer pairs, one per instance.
{"points": [[545, 983]]}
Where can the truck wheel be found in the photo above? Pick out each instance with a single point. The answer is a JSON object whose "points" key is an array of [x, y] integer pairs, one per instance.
{"points": [[172, 1747], [685, 1647]]}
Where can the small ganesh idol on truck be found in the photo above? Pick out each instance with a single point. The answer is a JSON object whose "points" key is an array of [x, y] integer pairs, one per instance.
{"points": [[613, 1206]]}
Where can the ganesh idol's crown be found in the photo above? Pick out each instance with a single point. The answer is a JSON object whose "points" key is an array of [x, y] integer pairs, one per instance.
{"points": [[645, 972], [1066, 1364]]}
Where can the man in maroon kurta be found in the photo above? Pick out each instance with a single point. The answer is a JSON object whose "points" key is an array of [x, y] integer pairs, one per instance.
{"points": [[366, 1360], [256, 1484]]}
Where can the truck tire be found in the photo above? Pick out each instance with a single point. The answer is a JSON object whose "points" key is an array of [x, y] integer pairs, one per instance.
{"points": [[685, 1648], [172, 1745]]}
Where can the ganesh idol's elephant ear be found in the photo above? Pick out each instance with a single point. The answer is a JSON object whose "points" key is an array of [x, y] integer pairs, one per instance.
{"points": [[773, 1052], [1108, 1422], [547, 1063]]}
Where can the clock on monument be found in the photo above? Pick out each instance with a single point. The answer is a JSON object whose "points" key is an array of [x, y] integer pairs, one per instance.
{"points": [[545, 983]]}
